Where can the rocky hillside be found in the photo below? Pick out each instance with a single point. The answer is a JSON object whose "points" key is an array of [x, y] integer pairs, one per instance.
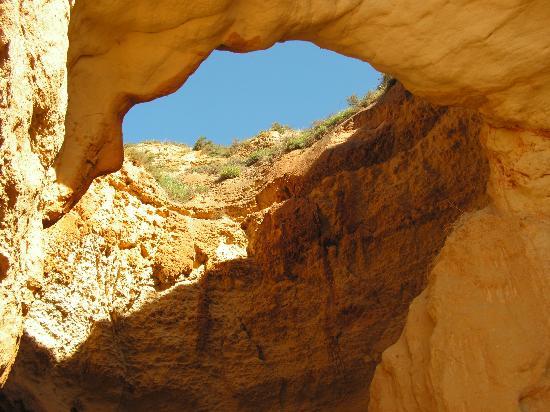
{"points": [[276, 287]]}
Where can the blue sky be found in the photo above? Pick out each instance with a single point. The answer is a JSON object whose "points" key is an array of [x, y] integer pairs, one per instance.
{"points": [[237, 95]]}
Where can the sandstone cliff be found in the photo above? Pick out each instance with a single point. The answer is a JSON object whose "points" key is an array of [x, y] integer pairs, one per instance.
{"points": [[340, 239], [477, 338], [66, 88], [33, 102], [491, 57]]}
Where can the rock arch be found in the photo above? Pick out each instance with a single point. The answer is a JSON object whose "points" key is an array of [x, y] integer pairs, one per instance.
{"points": [[464, 53], [492, 57]]}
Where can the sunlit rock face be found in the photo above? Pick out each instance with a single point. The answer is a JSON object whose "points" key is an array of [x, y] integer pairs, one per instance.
{"points": [[487, 57], [477, 338], [33, 101], [338, 246], [493, 57]]}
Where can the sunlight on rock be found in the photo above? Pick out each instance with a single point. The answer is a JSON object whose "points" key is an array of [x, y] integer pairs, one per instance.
{"points": [[393, 256], [225, 251]]}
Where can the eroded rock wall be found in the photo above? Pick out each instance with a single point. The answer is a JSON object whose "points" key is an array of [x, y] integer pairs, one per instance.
{"points": [[477, 338], [33, 100], [487, 56], [341, 243], [116, 251]]}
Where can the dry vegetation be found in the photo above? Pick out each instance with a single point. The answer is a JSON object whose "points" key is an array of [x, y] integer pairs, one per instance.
{"points": [[216, 163]]}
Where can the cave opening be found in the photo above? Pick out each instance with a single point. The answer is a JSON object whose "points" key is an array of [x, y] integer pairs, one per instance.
{"points": [[239, 113], [278, 287], [145, 304], [236, 95]]}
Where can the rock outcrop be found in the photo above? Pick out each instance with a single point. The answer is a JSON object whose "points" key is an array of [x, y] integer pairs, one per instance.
{"points": [[33, 102], [477, 338], [136, 51], [66, 88], [340, 244]]}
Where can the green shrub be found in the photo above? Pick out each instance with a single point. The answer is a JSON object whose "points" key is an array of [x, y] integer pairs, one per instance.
{"points": [[212, 149], [297, 142], [175, 189], [259, 156], [386, 83], [209, 169], [353, 100], [202, 143], [339, 117], [254, 158], [278, 127], [141, 157], [197, 189], [235, 146], [217, 150], [320, 128], [230, 171]]}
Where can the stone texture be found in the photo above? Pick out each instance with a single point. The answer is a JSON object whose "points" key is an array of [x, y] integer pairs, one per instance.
{"points": [[298, 323], [487, 56], [33, 100], [137, 50], [477, 338], [175, 255]]}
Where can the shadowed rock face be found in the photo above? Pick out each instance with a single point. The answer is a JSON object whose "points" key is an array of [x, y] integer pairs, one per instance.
{"points": [[477, 338], [300, 323], [72, 85]]}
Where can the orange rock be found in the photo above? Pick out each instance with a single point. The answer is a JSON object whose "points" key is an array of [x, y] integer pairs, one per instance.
{"points": [[298, 323]]}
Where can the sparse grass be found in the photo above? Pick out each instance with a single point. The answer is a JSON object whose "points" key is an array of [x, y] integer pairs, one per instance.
{"points": [[174, 188], [353, 100], [217, 150], [199, 189], [209, 169], [162, 142], [230, 171], [260, 155], [177, 190], [320, 128], [254, 158], [386, 82], [212, 149], [278, 127], [141, 157], [232, 166], [236, 144], [296, 142], [151, 141]]}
